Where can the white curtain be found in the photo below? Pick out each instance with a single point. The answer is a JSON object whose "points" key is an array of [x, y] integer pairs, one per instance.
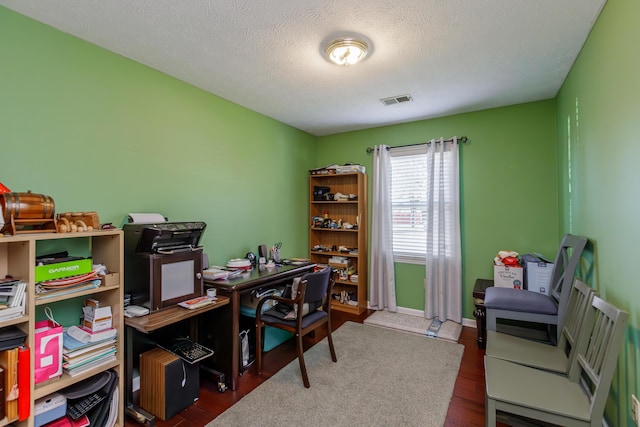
{"points": [[443, 282], [382, 289]]}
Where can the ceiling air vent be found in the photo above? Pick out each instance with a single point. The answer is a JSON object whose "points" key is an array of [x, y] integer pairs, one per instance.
{"points": [[396, 99]]}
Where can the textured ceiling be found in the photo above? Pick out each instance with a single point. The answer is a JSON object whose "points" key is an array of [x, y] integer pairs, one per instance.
{"points": [[451, 56]]}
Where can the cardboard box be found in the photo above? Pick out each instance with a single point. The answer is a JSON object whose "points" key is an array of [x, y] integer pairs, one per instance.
{"points": [[63, 269], [110, 279], [97, 318], [537, 276], [507, 277]]}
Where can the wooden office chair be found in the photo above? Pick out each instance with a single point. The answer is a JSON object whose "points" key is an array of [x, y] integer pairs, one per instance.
{"points": [[540, 355], [515, 391], [514, 304], [314, 290]]}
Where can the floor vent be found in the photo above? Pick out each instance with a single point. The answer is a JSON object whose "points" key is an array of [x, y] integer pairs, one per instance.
{"points": [[396, 99]]}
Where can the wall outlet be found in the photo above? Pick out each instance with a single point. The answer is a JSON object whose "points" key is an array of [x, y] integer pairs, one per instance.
{"points": [[635, 410]]}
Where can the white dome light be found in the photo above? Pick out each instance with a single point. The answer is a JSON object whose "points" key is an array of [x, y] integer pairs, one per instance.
{"points": [[346, 51]]}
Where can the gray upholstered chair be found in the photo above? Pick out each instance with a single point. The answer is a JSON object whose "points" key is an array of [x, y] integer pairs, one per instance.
{"points": [[515, 391], [521, 306], [314, 291], [542, 356]]}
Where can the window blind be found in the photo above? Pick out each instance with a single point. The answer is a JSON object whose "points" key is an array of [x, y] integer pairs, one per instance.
{"points": [[409, 181]]}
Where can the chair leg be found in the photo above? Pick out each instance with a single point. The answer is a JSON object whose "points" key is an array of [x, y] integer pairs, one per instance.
{"points": [[303, 368], [259, 348], [330, 339], [490, 412]]}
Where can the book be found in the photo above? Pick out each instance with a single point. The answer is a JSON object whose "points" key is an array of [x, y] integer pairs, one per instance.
{"points": [[89, 366], [12, 295], [87, 359], [82, 335], [44, 293], [86, 347], [75, 358], [7, 313], [24, 378]]}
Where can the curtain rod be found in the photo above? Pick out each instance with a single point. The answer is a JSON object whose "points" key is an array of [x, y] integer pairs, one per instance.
{"points": [[462, 139]]}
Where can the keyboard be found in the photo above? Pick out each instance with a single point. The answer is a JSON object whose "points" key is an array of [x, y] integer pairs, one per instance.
{"points": [[83, 405], [189, 351]]}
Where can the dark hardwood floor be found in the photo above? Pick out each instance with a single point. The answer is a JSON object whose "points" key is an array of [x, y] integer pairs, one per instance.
{"points": [[466, 407]]}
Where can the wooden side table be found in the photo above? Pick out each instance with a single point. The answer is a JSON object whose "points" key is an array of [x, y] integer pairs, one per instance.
{"points": [[480, 312]]}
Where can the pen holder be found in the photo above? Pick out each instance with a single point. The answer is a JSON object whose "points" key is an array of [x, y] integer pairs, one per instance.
{"points": [[275, 254]]}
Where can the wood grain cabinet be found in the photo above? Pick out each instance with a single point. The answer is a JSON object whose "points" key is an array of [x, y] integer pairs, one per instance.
{"points": [[17, 259], [338, 234]]}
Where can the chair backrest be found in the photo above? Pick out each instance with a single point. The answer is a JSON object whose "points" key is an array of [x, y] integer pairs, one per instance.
{"points": [[577, 309], [317, 284], [564, 268], [598, 351]]}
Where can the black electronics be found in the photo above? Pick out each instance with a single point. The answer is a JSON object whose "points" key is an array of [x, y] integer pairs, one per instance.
{"points": [[205, 261], [189, 351], [164, 236], [319, 192], [251, 257], [262, 251], [163, 263], [168, 384], [84, 405]]}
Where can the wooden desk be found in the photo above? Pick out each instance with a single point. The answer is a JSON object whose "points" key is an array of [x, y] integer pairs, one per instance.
{"points": [[224, 325], [169, 316], [148, 324]]}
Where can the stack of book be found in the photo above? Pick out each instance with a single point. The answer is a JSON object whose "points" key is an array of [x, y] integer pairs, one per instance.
{"points": [[67, 285], [83, 351], [12, 298]]}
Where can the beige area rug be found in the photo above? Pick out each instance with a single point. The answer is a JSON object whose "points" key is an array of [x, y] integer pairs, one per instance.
{"points": [[447, 330], [383, 377]]}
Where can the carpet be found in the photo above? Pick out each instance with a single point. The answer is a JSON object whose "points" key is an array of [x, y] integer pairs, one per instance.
{"points": [[431, 328], [382, 377]]}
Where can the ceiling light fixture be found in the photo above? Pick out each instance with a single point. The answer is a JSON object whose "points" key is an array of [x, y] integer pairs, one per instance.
{"points": [[346, 51]]}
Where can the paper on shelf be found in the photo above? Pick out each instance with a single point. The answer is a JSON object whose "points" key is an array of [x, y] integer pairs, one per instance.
{"points": [[146, 218]]}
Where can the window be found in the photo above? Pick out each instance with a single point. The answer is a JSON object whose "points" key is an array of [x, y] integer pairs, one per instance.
{"points": [[409, 181]]}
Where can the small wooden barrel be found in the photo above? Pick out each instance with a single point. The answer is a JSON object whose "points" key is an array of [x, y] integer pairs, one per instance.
{"points": [[26, 206]]}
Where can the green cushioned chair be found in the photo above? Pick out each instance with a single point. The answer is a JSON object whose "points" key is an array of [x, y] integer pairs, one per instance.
{"points": [[517, 394], [543, 356], [515, 305]]}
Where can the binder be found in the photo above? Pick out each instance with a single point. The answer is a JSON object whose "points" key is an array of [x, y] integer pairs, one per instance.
{"points": [[24, 396], [9, 362]]}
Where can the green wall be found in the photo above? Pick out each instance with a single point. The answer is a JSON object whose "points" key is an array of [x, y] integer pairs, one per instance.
{"points": [[99, 132], [598, 110], [508, 185]]}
